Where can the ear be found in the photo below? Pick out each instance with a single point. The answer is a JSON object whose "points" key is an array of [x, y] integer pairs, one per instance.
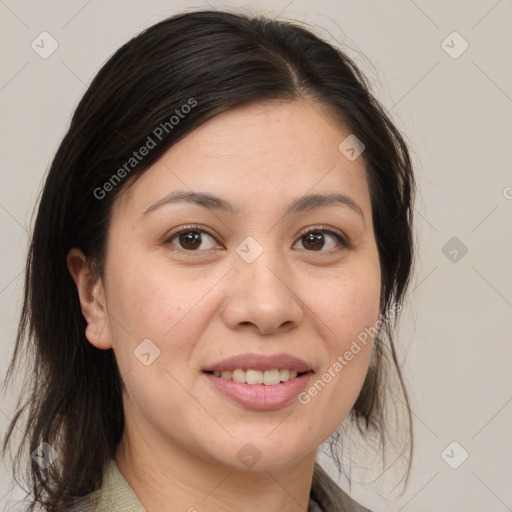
{"points": [[92, 299]]}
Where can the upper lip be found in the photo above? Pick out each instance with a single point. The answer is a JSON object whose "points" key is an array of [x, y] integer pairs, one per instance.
{"points": [[260, 362]]}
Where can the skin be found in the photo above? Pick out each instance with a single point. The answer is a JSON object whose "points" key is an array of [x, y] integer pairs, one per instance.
{"points": [[199, 306]]}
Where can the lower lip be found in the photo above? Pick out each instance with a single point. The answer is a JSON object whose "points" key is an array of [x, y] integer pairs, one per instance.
{"points": [[259, 396]]}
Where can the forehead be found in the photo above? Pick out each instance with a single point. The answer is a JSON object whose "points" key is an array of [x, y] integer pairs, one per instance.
{"points": [[256, 155]]}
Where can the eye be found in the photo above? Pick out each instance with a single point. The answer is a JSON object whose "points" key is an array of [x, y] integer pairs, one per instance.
{"points": [[317, 239], [192, 238]]}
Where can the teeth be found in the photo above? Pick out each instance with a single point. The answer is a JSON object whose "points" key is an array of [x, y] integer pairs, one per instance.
{"points": [[254, 377], [238, 376], [270, 377], [267, 377]]}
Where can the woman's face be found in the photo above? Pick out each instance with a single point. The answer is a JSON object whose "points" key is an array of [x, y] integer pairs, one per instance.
{"points": [[244, 281]]}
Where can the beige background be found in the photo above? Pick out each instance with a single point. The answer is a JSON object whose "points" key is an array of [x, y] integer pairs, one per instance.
{"points": [[456, 114]]}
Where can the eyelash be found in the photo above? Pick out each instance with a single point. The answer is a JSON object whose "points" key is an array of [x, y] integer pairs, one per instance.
{"points": [[342, 241]]}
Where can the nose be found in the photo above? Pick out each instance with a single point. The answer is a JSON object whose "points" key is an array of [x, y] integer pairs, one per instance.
{"points": [[262, 297]]}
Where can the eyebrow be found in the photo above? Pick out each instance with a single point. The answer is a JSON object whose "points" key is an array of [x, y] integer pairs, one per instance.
{"points": [[302, 204]]}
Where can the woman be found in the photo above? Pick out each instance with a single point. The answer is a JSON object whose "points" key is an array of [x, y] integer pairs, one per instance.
{"points": [[222, 240]]}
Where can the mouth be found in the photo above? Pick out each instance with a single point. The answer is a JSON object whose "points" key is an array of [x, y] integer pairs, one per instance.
{"points": [[258, 396], [259, 382]]}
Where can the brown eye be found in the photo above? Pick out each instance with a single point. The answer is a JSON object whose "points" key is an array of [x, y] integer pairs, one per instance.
{"points": [[321, 240], [192, 240]]}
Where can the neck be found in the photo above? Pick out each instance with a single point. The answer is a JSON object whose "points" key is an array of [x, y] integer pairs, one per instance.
{"points": [[168, 478]]}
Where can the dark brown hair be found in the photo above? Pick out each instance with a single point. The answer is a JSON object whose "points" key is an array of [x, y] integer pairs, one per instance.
{"points": [[218, 60]]}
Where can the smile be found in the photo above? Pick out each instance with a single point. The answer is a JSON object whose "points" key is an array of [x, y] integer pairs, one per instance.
{"points": [[265, 395]]}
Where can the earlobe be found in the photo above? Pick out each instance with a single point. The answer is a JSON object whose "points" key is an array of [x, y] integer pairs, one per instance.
{"points": [[92, 299]]}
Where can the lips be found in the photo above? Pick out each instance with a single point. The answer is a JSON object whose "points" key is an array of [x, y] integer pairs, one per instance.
{"points": [[295, 374], [260, 397], [259, 362]]}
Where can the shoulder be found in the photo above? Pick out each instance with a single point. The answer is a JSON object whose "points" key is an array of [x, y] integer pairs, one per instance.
{"points": [[330, 496], [115, 494]]}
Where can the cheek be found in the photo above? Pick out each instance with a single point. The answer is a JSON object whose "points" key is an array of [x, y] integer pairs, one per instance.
{"points": [[350, 337], [347, 304], [347, 311], [148, 300]]}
